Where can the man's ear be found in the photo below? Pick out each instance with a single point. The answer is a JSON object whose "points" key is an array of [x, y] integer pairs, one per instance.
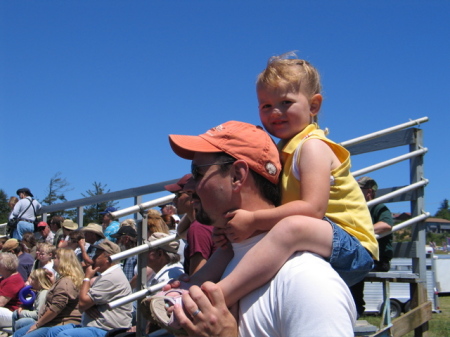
{"points": [[239, 174]]}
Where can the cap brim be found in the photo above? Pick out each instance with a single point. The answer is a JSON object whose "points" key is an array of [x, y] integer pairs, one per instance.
{"points": [[186, 146], [173, 188]]}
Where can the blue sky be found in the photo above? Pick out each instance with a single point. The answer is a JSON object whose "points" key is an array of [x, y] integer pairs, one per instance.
{"points": [[93, 88]]}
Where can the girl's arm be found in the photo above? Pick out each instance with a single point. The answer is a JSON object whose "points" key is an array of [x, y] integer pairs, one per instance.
{"points": [[317, 162], [48, 316], [305, 232]]}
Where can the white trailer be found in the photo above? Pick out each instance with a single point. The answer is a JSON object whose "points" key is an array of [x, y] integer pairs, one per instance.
{"points": [[400, 292]]}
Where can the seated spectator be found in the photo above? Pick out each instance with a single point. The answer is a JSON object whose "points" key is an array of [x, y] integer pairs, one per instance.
{"points": [[55, 226], [61, 303], [111, 285], [129, 222], [164, 261], [155, 223], [46, 234], [3, 239], [29, 244], [45, 255], [26, 261], [93, 235], [199, 244], [41, 282], [126, 239], [74, 237], [110, 226], [67, 227], [10, 284]]}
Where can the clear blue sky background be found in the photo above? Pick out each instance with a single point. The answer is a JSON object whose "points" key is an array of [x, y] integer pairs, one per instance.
{"points": [[93, 88]]}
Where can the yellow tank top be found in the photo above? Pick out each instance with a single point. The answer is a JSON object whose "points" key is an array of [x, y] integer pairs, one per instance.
{"points": [[346, 206]]}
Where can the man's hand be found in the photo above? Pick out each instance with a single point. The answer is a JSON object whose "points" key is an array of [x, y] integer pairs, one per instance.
{"points": [[212, 317], [240, 226], [90, 272], [81, 243]]}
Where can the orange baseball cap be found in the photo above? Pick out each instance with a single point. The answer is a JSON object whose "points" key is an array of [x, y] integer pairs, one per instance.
{"points": [[238, 139]]}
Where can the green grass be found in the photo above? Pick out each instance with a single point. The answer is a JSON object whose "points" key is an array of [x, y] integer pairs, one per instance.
{"points": [[439, 326]]}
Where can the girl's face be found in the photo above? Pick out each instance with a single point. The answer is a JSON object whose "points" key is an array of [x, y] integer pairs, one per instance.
{"points": [[43, 257], [35, 284], [285, 114]]}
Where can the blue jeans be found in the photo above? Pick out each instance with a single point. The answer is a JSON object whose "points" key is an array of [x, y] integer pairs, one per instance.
{"points": [[21, 322], [78, 331], [22, 227], [41, 332], [348, 257]]}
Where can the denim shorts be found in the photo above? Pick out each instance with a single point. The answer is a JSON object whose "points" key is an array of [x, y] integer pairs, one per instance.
{"points": [[348, 257]]}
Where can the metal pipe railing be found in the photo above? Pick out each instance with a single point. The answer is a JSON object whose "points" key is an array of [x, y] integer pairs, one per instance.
{"points": [[143, 248], [390, 162], [402, 190], [137, 295], [404, 224], [384, 132], [143, 206]]}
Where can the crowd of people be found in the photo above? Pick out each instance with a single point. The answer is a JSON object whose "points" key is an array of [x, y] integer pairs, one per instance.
{"points": [[272, 237], [57, 279]]}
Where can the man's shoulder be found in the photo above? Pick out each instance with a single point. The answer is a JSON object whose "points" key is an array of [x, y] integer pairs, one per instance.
{"points": [[26, 258]]}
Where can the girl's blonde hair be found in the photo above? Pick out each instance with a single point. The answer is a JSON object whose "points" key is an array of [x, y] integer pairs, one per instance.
{"points": [[155, 223], [40, 275], [284, 73], [69, 266], [48, 248]]}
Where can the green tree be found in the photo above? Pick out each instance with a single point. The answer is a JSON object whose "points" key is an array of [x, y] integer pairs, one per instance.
{"points": [[443, 211], [55, 193], [4, 207], [91, 213]]}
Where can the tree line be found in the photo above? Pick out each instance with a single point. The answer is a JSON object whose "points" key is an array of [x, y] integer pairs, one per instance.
{"points": [[55, 193]]}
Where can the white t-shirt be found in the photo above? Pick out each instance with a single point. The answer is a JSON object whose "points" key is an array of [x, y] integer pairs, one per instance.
{"points": [[306, 298]]}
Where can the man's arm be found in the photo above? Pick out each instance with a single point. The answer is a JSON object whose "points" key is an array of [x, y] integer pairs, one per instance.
{"points": [[4, 300], [85, 301]]}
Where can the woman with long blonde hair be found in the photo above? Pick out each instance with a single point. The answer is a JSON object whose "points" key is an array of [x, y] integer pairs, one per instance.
{"points": [[61, 304]]}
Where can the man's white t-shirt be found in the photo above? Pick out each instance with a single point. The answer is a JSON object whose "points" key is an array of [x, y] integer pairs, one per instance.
{"points": [[306, 298]]}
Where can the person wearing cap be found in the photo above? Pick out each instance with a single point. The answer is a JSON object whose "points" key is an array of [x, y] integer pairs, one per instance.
{"points": [[382, 222], [26, 261], [10, 284], [199, 244], [95, 295], [67, 227], [164, 260], [236, 166], [56, 228], [46, 234], [126, 239], [110, 225], [25, 210], [93, 235]]}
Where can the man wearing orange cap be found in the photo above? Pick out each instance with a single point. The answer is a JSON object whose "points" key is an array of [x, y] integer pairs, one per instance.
{"points": [[236, 166]]}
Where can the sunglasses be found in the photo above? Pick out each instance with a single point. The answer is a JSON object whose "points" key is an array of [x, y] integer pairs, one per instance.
{"points": [[195, 172]]}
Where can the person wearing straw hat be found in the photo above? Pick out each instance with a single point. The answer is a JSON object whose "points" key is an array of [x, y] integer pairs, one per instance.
{"points": [[67, 226], [93, 235]]}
